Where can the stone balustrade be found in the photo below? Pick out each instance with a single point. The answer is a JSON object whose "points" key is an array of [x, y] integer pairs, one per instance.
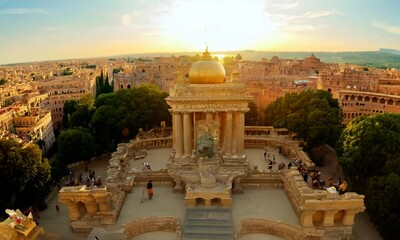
{"points": [[277, 228], [153, 224]]}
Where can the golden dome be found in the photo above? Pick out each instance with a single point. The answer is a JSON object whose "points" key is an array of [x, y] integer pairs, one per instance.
{"points": [[207, 71]]}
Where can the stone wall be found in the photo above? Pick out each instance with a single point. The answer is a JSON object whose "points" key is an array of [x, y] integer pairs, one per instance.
{"points": [[289, 148], [277, 228], [153, 224], [257, 179]]}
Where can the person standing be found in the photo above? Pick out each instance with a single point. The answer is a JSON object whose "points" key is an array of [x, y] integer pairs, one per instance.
{"points": [[150, 189]]}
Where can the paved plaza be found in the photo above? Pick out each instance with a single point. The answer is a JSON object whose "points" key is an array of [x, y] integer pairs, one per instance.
{"points": [[257, 203]]}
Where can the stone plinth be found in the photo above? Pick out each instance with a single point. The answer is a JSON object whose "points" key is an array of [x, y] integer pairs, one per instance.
{"points": [[218, 195], [208, 180]]}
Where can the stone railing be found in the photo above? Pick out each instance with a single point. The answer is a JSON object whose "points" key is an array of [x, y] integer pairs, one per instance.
{"points": [[288, 148], [160, 177], [319, 207], [153, 224], [277, 228], [262, 179]]}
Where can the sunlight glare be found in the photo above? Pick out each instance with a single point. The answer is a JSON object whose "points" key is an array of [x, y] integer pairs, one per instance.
{"points": [[221, 25]]}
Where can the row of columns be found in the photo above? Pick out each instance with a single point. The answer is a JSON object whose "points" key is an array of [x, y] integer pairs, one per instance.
{"points": [[328, 217], [231, 132]]}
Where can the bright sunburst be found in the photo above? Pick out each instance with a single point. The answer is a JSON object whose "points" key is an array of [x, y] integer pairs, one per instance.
{"points": [[222, 25]]}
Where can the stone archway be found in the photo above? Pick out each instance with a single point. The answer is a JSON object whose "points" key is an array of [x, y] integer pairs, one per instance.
{"points": [[216, 202], [338, 218], [81, 209], [200, 202], [318, 218]]}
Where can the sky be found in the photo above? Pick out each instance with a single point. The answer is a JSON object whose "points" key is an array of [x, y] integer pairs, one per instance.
{"points": [[35, 30]]}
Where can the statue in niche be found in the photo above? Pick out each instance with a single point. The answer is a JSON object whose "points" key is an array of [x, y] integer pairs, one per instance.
{"points": [[205, 146]]}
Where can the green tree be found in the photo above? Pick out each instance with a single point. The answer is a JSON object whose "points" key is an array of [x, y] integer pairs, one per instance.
{"points": [[103, 85], [370, 159], [119, 115], [370, 148], [313, 115], [70, 107], [77, 113], [75, 144], [382, 201], [24, 174], [252, 116], [3, 81]]}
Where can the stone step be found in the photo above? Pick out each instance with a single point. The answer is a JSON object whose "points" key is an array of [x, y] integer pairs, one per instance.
{"points": [[209, 214], [208, 223]]}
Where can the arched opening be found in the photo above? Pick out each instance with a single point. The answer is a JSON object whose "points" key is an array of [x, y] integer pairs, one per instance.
{"points": [[216, 202], [122, 86], [366, 99], [346, 97], [352, 97], [382, 100], [374, 99], [359, 98], [338, 218], [390, 102], [200, 202], [81, 208], [129, 86], [318, 218]]}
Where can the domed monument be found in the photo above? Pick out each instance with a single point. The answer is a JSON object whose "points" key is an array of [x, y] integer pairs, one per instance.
{"points": [[207, 71], [208, 133]]}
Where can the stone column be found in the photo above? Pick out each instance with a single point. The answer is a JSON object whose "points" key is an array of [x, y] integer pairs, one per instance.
{"points": [[348, 218], [235, 132], [236, 186], [187, 131], [91, 206], [240, 138], [73, 211], [228, 134], [307, 218], [329, 218], [103, 200], [179, 134], [222, 136]]}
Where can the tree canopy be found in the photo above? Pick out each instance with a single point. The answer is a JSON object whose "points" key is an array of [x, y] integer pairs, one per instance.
{"points": [[77, 113], [103, 85], [24, 174], [313, 115], [75, 144], [119, 115], [371, 162], [252, 116]]}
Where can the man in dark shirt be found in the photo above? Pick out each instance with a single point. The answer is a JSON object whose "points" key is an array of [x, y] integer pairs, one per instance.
{"points": [[150, 188]]}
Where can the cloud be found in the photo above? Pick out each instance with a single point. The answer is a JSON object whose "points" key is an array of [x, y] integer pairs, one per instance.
{"points": [[273, 5], [319, 14], [386, 27], [23, 11]]}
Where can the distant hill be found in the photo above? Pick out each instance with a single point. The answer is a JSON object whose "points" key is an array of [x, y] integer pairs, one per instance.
{"points": [[388, 50], [384, 58]]}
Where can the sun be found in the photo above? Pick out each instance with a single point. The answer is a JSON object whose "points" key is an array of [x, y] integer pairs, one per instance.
{"points": [[221, 25]]}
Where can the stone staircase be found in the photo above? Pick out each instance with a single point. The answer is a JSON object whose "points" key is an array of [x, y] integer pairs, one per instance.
{"points": [[208, 223]]}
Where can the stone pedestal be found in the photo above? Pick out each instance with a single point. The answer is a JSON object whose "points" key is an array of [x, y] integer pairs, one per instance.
{"points": [[208, 180]]}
